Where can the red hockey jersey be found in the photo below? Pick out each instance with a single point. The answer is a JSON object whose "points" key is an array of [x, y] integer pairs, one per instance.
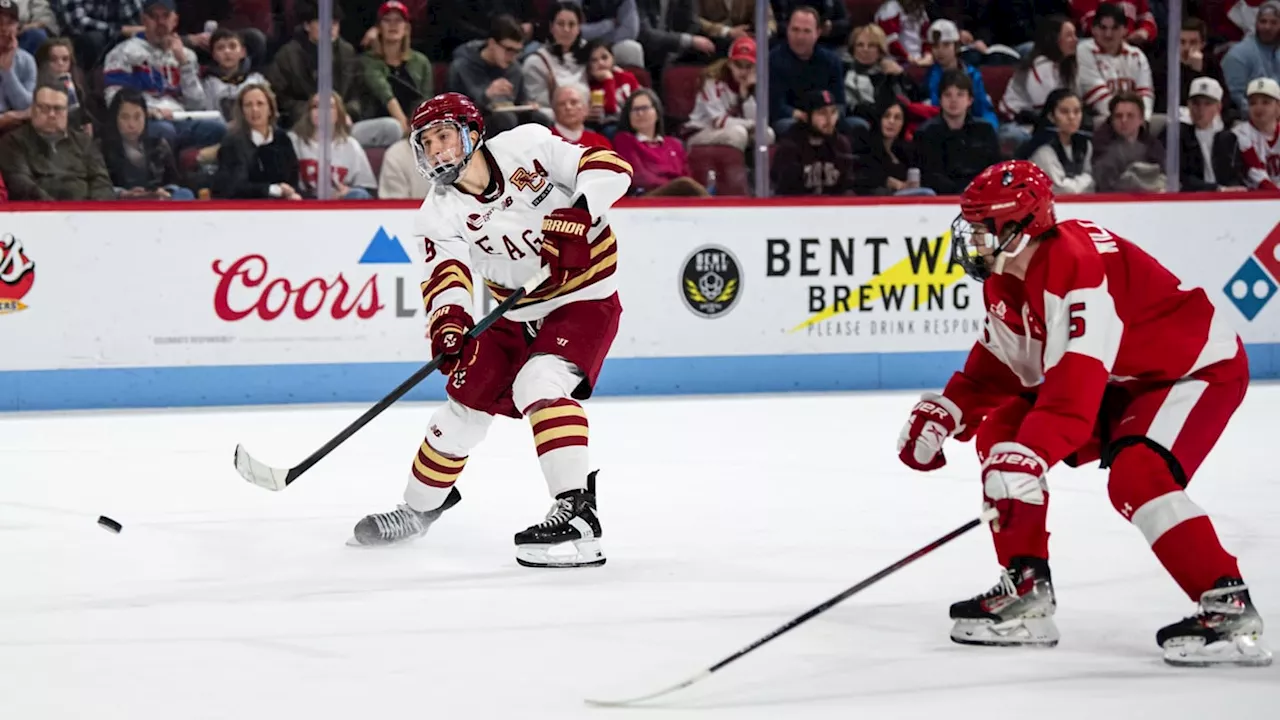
{"points": [[1094, 309]]}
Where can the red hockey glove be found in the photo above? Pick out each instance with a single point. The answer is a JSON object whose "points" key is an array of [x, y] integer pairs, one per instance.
{"points": [[564, 243], [1012, 473], [446, 328], [932, 421]]}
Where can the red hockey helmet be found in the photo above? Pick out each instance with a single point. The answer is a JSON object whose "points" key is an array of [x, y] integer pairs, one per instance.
{"points": [[444, 165], [1007, 205]]}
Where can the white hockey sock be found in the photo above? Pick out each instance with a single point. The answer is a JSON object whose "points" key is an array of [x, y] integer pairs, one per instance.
{"points": [[431, 478], [560, 436]]}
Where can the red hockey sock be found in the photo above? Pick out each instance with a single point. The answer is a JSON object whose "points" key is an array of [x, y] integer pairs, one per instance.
{"points": [[1194, 556], [1143, 490], [1024, 533]]}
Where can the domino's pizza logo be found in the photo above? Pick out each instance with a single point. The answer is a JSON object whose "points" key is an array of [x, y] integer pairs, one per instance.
{"points": [[1256, 282], [17, 274]]}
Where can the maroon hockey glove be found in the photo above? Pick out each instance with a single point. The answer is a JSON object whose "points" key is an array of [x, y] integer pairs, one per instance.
{"points": [[932, 421], [447, 329], [564, 243], [1012, 473]]}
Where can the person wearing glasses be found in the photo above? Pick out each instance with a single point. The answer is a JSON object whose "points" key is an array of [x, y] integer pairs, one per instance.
{"points": [[486, 71], [46, 160]]}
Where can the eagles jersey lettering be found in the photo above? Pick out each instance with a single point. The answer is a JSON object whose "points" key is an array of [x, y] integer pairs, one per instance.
{"points": [[499, 236]]}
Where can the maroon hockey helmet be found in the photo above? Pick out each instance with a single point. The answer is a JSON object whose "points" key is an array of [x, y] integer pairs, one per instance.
{"points": [[1007, 205], [453, 109]]}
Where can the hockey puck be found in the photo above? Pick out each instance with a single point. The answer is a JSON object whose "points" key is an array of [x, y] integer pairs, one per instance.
{"points": [[109, 524]]}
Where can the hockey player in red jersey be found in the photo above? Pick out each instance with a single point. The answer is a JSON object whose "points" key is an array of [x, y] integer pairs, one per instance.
{"points": [[1091, 350], [502, 209]]}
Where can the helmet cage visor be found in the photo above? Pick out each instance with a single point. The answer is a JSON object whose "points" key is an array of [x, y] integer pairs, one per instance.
{"points": [[970, 238], [442, 168]]}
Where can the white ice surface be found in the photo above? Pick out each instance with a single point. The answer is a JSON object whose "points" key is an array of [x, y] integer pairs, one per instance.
{"points": [[724, 518]]}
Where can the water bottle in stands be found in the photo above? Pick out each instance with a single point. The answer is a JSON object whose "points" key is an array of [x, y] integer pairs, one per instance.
{"points": [[711, 182]]}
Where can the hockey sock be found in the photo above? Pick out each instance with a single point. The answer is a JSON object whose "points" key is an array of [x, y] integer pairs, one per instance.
{"points": [[560, 436], [431, 477], [1143, 490], [1025, 533]]}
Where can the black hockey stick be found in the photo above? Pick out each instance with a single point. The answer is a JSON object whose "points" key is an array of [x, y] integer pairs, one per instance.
{"points": [[278, 479], [986, 516]]}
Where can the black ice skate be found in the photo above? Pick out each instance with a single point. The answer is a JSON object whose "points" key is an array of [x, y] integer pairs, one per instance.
{"points": [[400, 525], [568, 537], [1018, 611], [1226, 631]]}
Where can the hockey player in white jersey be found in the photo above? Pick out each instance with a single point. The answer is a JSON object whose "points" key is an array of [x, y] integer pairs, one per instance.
{"points": [[502, 209], [1109, 66]]}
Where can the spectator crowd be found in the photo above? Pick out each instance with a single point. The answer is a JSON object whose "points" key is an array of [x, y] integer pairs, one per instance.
{"points": [[185, 99]]}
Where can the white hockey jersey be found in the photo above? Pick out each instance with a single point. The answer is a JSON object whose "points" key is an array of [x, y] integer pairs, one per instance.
{"points": [[719, 105], [1261, 154], [500, 236], [1103, 76], [1030, 90]]}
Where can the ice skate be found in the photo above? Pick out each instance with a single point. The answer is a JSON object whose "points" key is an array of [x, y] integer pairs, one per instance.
{"points": [[568, 537], [1018, 611], [1226, 631], [400, 525]]}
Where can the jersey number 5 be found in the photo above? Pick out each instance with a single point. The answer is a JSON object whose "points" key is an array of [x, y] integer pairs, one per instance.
{"points": [[1077, 327]]}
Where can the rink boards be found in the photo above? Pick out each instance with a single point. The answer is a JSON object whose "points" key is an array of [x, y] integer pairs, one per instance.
{"points": [[211, 305]]}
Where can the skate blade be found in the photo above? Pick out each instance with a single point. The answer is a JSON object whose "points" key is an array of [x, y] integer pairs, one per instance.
{"points": [[576, 553], [354, 542], [1040, 632], [1244, 651]]}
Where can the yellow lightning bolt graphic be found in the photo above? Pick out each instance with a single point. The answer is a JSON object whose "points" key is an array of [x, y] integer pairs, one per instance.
{"points": [[900, 274]]}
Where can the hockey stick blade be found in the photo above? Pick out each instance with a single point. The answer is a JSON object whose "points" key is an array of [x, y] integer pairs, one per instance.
{"points": [[987, 516], [260, 473], [276, 479]]}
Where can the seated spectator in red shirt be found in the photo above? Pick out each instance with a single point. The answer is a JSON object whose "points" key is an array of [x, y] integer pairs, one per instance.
{"points": [[812, 158], [256, 158], [610, 86], [658, 162], [1210, 155], [1260, 137], [4, 191], [570, 104]]}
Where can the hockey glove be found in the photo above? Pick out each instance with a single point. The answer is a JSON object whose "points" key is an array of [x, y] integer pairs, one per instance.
{"points": [[564, 243], [1012, 473], [932, 421], [447, 329]]}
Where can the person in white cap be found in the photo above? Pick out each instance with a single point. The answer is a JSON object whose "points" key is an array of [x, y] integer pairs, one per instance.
{"points": [[1210, 154], [1260, 137], [1257, 55], [944, 41]]}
